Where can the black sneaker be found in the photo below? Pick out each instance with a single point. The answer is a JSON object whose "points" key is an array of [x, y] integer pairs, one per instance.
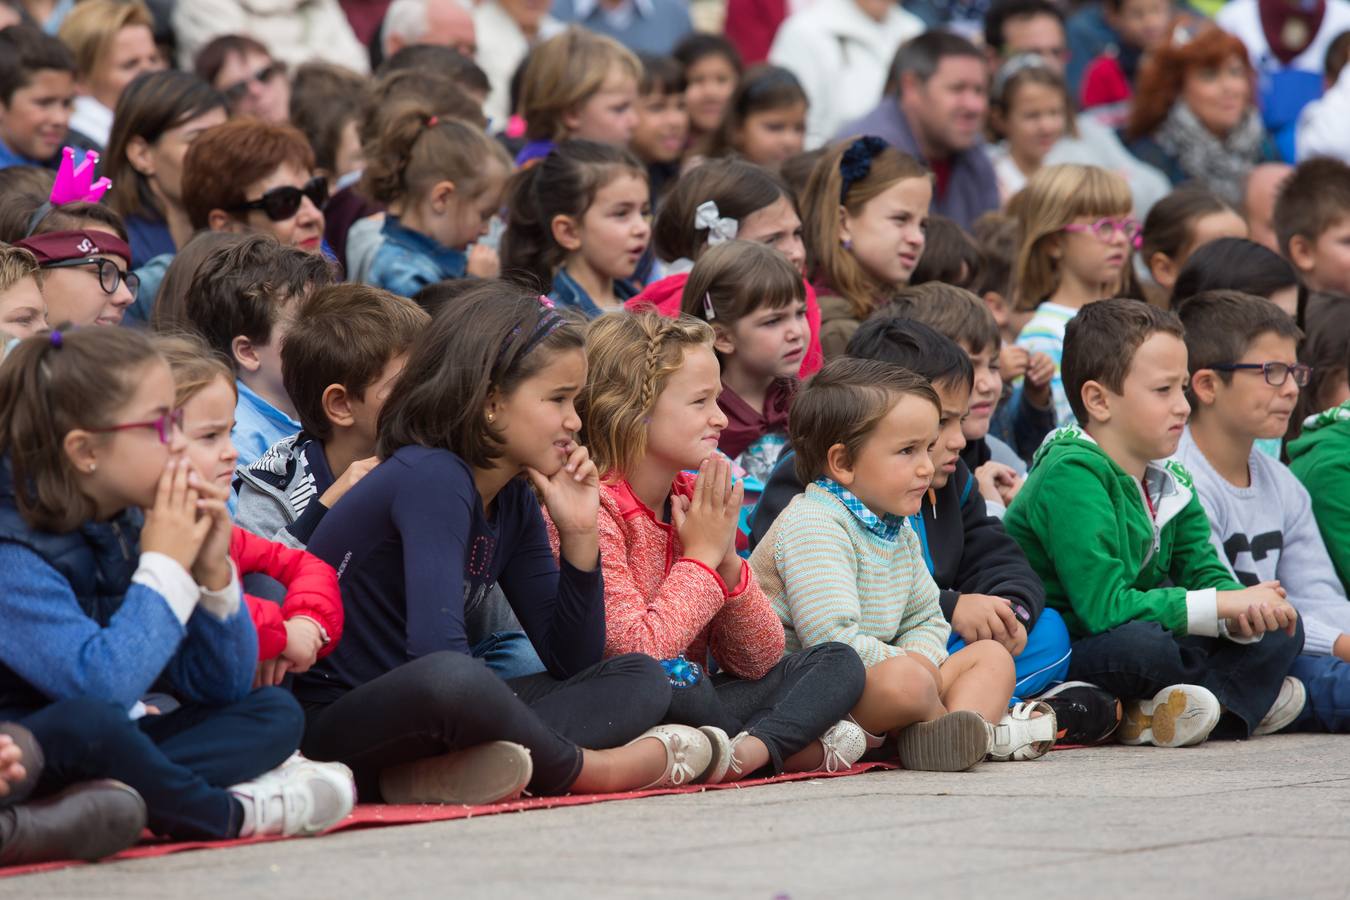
{"points": [[1086, 714]]}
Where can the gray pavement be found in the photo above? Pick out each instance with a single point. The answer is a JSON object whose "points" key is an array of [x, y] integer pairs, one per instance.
{"points": [[1264, 818]]}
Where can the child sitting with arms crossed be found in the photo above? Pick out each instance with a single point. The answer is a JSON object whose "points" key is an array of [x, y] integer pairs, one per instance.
{"points": [[1122, 543], [101, 602], [756, 304], [291, 636], [987, 590], [1245, 380], [442, 181], [674, 585], [842, 564], [577, 226]]}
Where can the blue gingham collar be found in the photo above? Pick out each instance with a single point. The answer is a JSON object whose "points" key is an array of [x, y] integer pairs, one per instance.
{"points": [[887, 528]]}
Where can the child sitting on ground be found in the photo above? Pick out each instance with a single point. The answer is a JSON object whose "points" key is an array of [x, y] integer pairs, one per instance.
{"points": [[1245, 381], [23, 312], [1122, 544], [242, 302], [674, 585], [841, 563], [1312, 221], [292, 635]]}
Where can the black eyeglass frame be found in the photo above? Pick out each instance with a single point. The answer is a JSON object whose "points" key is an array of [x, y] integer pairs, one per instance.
{"points": [[1296, 370], [133, 281]]}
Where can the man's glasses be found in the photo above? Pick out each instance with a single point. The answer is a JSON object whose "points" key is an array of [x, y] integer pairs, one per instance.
{"points": [[1276, 373], [109, 276], [280, 203], [1106, 230], [237, 91], [164, 426]]}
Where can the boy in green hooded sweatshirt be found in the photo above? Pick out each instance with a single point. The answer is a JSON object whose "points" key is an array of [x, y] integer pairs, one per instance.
{"points": [[1320, 458], [1123, 545]]}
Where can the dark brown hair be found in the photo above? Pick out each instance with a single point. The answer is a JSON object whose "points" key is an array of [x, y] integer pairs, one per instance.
{"points": [[949, 255], [489, 341], [736, 279], [154, 103], [344, 334], [170, 312], [212, 57], [1221, 325], [224, 161], [737, 187], [324, 99], [763, 88], [436, 59], [1312, 199], [1327, 350], [842, 404], [997, 237], [949, 310], [18, 211], [660, 75], [564, 183], [1170, 226], [48, 391], [1100, 343], [417, 149], [25, 51], [241, 288]]}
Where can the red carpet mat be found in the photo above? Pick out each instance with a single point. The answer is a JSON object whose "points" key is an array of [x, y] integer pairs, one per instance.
{"points": [[377, 815]]}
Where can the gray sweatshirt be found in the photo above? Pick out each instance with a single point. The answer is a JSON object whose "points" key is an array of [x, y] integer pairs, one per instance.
{"points": [[1267, 532]]}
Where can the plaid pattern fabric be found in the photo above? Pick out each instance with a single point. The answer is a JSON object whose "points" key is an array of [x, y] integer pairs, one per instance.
{"points": [[888, 528]]}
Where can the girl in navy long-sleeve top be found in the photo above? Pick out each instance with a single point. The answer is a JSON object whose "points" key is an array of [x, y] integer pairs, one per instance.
{"points": [[482, 413]]}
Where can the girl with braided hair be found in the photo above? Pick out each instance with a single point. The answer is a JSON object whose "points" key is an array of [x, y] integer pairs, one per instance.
{"points": [[674, 588]]}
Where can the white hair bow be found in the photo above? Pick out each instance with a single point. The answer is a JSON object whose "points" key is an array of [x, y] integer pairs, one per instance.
{"points": [[708, 218]]}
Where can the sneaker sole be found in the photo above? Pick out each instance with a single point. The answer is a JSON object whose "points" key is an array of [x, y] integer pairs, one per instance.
{"points": [[953, 743], [721, 755], [488, 773], [1173, 718], [1287, 714]]}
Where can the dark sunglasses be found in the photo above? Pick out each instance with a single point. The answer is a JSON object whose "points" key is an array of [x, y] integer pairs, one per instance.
{"points": [[280, 203], [109, 276], [237, 91]]}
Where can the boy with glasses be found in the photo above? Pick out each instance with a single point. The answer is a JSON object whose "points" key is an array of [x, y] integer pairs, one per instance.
{"points": [[1245, 379]]}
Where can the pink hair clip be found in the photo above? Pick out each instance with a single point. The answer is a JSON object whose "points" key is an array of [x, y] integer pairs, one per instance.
{"points": [[75, 184], [545, 302]]}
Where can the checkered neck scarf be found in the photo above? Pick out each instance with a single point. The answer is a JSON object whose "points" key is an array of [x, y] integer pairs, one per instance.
{"points": [[888, 528]]}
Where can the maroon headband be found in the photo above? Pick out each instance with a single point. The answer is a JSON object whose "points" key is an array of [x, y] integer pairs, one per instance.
{"points": [[58, 246]]}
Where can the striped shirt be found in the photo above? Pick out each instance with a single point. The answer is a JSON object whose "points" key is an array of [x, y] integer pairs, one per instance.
{"points": [[1044, 333], [830, 578]]}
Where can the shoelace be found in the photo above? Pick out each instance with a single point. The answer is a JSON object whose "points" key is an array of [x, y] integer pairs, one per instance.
{"points": [[680, 770]]}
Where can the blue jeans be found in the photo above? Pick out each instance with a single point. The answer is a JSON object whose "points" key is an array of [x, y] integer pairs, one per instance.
{"points": [[1327, 679], [1043, 662], [509, 654], [180, 762]]}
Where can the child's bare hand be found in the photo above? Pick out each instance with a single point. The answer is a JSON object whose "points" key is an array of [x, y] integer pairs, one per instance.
{"points": [[708, 526], [211, 569], [173, 526], [1040, 369], [1258, 609], [271, 672], [981, 617], [998, 483], [304, 640], [483, 262], [1012, 362], [12, 770], [348, 480]]}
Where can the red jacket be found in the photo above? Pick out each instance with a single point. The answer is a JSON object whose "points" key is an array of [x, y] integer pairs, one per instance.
{"points": [[751, 26], [661, 603], [665, 296], [311, 591]]}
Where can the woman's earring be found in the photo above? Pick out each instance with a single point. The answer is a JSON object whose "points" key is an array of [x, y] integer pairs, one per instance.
{"points": [[491, 417], [92, 467], [848, 243]]}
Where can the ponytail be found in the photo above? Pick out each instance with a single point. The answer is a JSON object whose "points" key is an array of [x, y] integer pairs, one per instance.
{"points": [[416, 149]]}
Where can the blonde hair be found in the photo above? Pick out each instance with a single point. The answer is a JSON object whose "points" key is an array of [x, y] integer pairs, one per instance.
{"points": [[92, 26], [194, 365], [1053, 198], [630, 357], [563, 73], [828, 260], [16, 264]]}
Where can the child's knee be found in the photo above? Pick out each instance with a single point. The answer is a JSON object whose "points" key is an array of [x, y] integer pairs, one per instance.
{"points": [[902, 683], [993, 659]]}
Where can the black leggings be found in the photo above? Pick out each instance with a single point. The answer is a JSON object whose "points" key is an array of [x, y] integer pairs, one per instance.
{"points": [[448, 701], [787, 709]]}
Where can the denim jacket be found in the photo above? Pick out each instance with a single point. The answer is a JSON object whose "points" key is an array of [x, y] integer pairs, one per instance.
{"points": [[408, 261], [568, 294]]}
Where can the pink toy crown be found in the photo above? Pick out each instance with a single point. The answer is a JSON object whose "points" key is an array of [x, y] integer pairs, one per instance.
{"points": [[76, 184]]}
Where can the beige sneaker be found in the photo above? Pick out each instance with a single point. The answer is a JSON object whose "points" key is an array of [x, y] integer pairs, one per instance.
{"points": [[689, 753], [488, 773], [1182, 715]]}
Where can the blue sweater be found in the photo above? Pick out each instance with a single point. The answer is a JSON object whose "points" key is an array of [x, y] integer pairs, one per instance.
{"points": [[414, 549]]}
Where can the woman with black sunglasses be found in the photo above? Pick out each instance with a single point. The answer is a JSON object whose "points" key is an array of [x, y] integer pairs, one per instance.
{"points": [[248, 176]]}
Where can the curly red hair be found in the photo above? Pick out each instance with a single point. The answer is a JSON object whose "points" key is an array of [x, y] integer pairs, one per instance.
{"points": [[1162, 76]]}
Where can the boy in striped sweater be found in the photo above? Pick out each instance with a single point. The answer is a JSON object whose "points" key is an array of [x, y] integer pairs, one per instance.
{"points": [[841, 564]]}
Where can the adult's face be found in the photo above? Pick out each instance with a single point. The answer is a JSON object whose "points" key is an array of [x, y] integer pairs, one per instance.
{"points": [[131, 53], [162, 161], [527, 14], [1219, 95], [449, 24], [1040, 34], [948, 111], [255, 85]]}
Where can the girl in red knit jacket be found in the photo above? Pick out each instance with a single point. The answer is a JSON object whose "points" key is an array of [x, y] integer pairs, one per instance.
{"points": [[292, 635], [674, 585]]}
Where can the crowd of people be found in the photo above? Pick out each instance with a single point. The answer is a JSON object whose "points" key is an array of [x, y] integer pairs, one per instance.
{"points": [[416, 402]]}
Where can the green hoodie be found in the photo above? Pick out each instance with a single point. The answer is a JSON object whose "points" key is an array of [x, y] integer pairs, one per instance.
{"points": [[1320, 458], [1085, 527]]}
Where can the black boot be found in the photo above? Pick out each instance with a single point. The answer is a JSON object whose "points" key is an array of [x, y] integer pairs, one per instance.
{"points": [[32, 763], [85, 821]]}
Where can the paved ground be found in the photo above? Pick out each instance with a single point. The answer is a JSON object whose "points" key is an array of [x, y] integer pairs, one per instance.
{"points": [[1266, 818]]}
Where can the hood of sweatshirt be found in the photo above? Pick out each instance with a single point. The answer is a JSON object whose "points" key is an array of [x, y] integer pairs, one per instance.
{"points": [[1321, 430]]}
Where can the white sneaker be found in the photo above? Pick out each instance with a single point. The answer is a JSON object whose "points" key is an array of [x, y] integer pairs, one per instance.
{"points": [[845, 743], [487, 773], [1182, 715], [302, 797], [1293, 697]]}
